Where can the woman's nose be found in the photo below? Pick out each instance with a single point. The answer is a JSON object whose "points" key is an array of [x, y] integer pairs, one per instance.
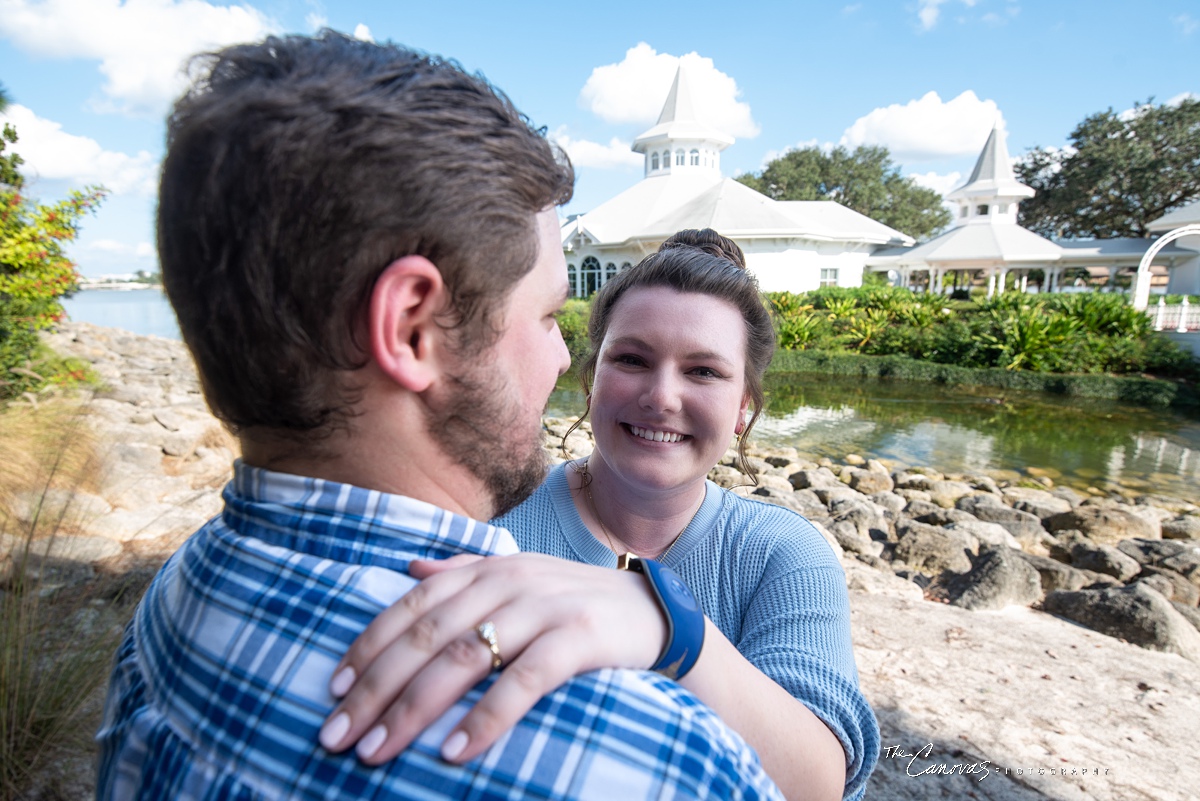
{"points": [[661, 393]]}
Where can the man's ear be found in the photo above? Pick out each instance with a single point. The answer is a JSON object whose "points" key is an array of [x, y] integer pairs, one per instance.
{"points": [[404, 304]]}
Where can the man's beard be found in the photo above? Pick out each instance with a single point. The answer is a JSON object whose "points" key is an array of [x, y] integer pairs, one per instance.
{"points": [[478, 424]]}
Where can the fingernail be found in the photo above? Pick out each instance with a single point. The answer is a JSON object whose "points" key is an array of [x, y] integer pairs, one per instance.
{"points": [[455, 744], [334, 730], [371, 743], [342, 681]]}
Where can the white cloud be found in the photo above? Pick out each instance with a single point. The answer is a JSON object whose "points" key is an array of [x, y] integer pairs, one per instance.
{"points": [[1186, 23], [363, 32], [52, 153], [928, 11], [1182, 96], [142, 250], [615, 155], [142, 45], [633, 90], [942, 184], [315, 21], [928, 128]]}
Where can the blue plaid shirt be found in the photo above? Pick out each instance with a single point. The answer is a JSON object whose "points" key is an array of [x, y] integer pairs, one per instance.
{"points": [[221, 681]]}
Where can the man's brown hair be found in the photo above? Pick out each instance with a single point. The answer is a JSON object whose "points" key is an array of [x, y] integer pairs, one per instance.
{"points": [[297, 170]]}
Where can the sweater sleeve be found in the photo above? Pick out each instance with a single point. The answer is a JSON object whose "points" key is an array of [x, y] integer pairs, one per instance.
{"points": [[796, 630]]}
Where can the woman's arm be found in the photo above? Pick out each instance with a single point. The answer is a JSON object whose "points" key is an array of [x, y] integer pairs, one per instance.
{"points": [[555, 619]]}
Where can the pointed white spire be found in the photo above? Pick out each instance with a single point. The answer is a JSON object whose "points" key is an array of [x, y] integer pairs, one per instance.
{"points": [[679, 141], [992, 192]]}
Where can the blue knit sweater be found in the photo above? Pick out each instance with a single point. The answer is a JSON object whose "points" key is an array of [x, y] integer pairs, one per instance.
{"points": [[769, 582]]}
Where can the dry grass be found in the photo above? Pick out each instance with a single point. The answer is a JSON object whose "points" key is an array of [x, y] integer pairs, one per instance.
{"points": [[58, 624]]}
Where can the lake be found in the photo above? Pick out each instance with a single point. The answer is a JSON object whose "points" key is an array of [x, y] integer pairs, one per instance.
{"points": [[1079, 443]]}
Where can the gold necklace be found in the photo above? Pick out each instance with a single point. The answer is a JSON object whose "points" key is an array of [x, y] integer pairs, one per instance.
{"points": [[585, 479]]}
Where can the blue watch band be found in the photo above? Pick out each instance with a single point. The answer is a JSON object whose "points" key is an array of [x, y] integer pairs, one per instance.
{"points": [[685, 619]]}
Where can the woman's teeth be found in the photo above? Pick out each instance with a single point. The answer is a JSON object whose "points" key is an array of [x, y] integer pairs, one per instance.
{"points": [[655, 436]]}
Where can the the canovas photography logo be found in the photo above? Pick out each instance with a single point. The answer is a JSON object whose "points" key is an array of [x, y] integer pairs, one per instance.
{"points": [[922, 762]]}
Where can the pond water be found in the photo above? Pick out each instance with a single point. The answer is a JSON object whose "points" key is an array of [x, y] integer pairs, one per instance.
{"points": [[1079, 443], [978, 429]]}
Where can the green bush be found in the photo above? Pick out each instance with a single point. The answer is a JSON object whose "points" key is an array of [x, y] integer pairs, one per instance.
{"points": [[572, 322]]}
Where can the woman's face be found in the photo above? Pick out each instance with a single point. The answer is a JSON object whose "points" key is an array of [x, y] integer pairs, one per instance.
{"points": [[669, 388]]}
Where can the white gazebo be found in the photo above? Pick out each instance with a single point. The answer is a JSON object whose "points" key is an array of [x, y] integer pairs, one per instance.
{"points": [[794, 246], [984, 237]]}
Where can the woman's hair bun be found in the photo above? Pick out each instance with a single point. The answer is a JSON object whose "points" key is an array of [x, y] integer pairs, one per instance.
{"points": [[708, 241]]}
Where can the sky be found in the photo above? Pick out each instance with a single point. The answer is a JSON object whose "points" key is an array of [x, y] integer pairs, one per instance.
{"points": [[91, 81]]}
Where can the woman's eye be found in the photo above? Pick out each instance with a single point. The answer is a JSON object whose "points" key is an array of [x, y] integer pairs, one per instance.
{"points": [[630, 359], [705, 372]]}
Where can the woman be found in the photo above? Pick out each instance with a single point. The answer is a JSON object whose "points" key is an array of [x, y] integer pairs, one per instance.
{"points": [[679, 346]]}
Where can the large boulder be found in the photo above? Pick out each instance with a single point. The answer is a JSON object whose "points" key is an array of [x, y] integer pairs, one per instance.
{"points": [[1179, 589], [812, 479], [1055, 575], [998, 578], [945, 493], [944, 517], [1184, 527], [889, 501], [988, 533], [930, 549], [1153, 552], [870, 481], [1104, 524], [1135, 613], [1088, 555]]}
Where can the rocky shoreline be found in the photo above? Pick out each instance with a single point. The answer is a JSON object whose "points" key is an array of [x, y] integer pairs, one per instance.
{"points": [[1028, 629]]}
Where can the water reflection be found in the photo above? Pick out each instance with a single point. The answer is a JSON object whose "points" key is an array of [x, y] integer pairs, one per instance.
{"points": [[1081, 443]]}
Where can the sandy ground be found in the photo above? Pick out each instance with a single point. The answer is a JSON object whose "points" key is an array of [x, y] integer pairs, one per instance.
{"points": [[1041, 708]]}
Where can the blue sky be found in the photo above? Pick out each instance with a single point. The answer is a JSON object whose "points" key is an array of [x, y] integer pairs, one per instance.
{"points": [[91, 80]]}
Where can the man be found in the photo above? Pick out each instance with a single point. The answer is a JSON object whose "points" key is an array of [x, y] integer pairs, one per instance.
{"points": [[360, 244]]}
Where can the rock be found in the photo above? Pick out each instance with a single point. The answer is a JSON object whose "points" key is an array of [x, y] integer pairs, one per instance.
{"points": [[1186, 564], [1067, 494], [998, 578], [903, 479], [869, 481], [775, 482], [945, 493], [875, 582], [1184, 527], [988, 533], [57, 508], [889, 500], [727, 477], [854, 460], [822, 477], [985, 484], [849, 537], [1159, 584], [1025, 527], [1105, 559], [1151, 552], [1175, 505], [932, 550], [876, 466], [829, 495], [1135, 613], [913, 494], [1190, 613], [1035, 502], [1182, 591], [943, 517], [1106, 525], [919, 508], [1055, 575], [76, 549]]}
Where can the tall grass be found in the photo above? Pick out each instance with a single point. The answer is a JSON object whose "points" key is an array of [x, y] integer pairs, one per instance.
{"points": [[56, 644]]}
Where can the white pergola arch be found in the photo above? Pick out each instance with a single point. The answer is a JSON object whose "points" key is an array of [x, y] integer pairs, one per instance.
{"points": [[1141, 286]]}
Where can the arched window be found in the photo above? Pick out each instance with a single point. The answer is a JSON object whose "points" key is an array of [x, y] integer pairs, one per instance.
{"points": [[695, 158], [590, 280], [654, 161], [610, 271], [625, 266], [981, 210], [572, 281], [678, 158], [666, 159]]}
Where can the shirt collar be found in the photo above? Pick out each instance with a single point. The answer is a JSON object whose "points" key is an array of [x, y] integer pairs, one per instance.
{"points": [[351, 524]]}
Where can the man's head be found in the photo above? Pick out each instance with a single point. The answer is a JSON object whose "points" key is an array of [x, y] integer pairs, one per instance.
{"points": [[297, 171]]}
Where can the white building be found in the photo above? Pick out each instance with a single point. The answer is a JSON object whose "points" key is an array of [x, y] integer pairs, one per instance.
{"points": [[985, 241], [792, 245]]}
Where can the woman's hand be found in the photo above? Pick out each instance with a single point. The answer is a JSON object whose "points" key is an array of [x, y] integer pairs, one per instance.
{"points": [[554, 619]]}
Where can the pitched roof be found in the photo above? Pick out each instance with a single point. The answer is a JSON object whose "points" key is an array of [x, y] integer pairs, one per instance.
{"points": [[976, 243], [993, 175], [1184, 215]]}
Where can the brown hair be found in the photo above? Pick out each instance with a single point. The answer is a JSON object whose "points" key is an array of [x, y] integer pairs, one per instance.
{"points": [[705, 263], [297, 170]]}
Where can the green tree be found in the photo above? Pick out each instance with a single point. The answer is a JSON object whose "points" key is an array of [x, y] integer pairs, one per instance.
{"points": [[9, 175], [1119, 173], [865, 180], [34, 270]]}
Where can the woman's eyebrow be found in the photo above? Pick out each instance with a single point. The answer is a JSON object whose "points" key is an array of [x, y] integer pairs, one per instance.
{"points": [[696, 355]]}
